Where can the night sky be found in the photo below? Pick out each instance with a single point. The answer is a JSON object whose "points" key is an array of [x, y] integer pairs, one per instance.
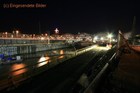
{"points": [[70, 16]]}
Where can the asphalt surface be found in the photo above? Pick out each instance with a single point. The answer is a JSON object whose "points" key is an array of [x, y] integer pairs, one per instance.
{"points": [[60, 78]]}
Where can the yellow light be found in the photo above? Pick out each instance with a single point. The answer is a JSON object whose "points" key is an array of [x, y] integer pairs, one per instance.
{"points": [[95, 38], [42, 38], [17, 31], [16, 67], [61, 53], [56, 31], [110, 35], [43, 60], [102, 38]]}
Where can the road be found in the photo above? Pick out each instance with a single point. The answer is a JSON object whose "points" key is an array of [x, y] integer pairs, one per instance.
{"points": [[32, 66], [62, 77]]}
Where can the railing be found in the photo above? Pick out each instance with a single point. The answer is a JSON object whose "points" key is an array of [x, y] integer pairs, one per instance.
{"points": [[98, 77], [95, 72]]}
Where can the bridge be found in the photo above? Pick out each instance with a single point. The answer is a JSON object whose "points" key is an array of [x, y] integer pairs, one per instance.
{"points": [[81, 70]]}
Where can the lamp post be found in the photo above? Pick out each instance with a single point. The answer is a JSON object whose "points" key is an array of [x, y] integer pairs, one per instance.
{"points": [[95, 39], [110, 37], [17, 32], [48, 37], [56, 33], [6, 34]]}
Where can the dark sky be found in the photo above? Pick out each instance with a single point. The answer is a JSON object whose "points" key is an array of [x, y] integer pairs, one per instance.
{"points": [[70, 16]]}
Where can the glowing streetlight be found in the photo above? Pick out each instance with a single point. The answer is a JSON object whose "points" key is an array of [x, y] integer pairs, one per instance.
{"points": [[42, 38], [46, 34], [102, 38], [12, 36], [110, 36], [56, 31], [95, 39], [17, 32], [6, 34]]}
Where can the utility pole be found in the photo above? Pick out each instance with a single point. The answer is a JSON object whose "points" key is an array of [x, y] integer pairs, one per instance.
{"points": [[48, 37], [39, 28], [133, 30], [134, 27]]}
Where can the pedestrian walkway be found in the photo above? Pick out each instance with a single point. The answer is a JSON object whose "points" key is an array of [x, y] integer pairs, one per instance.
{"points": [[127, 75]]}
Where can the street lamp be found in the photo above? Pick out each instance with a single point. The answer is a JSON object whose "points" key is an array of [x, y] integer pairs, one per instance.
{"points": [[56, 31], [6, 34], [102, 38], [17, 32], [95, 39], [110, 36]]}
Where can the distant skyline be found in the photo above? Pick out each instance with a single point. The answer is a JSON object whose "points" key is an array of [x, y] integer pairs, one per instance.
{"points": [[70, 16]]}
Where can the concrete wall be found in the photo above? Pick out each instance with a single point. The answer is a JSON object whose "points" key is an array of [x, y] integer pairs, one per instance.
{"points": [[20, 49]]}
